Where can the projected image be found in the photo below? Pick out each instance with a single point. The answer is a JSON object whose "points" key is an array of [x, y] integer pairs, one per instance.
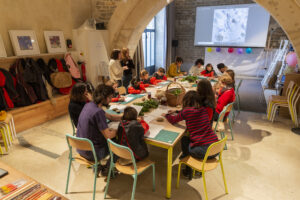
{"points": [[230, 25]]}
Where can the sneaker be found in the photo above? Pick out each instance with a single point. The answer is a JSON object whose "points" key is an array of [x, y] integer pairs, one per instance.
{"points": [[187, 172], [104, 172], [198, 174]]}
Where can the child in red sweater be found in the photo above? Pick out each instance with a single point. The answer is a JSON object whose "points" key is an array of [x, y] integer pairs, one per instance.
{"points": [[226, 95], [146, 80], [136, 87], [160, 74], [199, 127], [209, 71]]}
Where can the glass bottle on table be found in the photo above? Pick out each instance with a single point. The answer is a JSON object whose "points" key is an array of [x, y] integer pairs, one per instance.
{"points": [[149, 95]]}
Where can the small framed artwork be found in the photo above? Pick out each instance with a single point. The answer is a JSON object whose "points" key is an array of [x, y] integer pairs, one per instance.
{"points": [[24, 42], [55, 41], [2, 49]]}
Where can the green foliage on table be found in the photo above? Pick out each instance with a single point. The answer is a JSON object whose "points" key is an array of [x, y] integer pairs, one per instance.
{"points": [[147, 105], [190, 79], [176, 92]]}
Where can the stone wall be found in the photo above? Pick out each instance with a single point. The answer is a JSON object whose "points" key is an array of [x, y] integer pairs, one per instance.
{"points": [[185, 27], [104, 10]]}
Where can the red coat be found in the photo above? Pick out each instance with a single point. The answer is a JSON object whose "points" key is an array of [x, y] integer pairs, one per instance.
{"points": [[208, 74], [132, 90], [154, 81], [225, 97]]}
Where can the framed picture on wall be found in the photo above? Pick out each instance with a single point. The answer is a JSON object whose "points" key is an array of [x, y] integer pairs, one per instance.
{"points": [[24, 42], [55, 41], [2, 49]]}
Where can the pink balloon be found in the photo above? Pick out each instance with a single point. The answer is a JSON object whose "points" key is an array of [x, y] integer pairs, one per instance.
{"points": [[230, 50], [291, 59]]}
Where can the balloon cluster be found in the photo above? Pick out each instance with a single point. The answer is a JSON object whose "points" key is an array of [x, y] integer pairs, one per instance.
{"points": [[231, 50]]}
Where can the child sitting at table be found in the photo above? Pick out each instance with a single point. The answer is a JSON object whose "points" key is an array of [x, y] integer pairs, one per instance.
{"points": [[201, 135], [146, 80], [231, 73], [209, 71], [116, 95], [136, 87], [207, 97], [131, 134], [226, 95], [160, 74]]}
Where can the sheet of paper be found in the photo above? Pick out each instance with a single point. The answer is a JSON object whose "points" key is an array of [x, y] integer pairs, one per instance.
{"points": [[158, 111], [148, 118], [138, 108], [154, 130], [127, 99], [113, 125], [118, 106]]}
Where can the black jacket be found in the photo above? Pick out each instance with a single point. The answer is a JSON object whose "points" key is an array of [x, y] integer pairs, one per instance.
{"points": [[26, 93], [129, 63], [135, 136], [75, 109], [33, 76]]}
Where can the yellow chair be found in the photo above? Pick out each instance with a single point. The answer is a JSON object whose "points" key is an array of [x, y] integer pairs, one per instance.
{"points": [[206, 164], [121, 90], [135, 169], [275, 101], [293, 105], [8, 131]]}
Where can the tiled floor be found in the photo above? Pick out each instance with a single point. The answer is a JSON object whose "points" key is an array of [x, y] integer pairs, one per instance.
{"points": [[261, 163]]}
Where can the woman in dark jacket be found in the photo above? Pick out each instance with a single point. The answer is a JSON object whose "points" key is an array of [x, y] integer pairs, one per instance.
{"points": [[80, 94], [126, 61]]}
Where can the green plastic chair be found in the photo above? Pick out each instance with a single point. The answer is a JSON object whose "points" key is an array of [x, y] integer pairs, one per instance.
{"points": [[85, 145], [237, 95], [134, 169], [226, 109]]}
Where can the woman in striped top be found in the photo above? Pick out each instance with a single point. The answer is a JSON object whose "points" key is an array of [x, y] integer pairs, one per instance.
{"points": [[198, 125]]}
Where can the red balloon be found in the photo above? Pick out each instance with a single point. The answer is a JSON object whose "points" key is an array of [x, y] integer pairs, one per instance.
{"points": [[230, 50]]}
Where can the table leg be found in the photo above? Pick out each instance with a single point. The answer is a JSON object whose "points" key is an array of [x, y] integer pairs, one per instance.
{"points": [[169, 172]]}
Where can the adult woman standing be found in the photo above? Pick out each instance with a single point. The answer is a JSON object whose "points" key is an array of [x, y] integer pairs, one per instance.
{"points": [[115, 68], [126, 61]]}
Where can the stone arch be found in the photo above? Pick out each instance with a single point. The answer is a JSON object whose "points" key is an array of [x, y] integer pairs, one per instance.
{"points": [[138, 13]]}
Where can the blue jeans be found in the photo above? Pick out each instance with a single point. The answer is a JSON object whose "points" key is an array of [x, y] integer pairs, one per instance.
{"points": [[126, 80], [196, 151]]}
